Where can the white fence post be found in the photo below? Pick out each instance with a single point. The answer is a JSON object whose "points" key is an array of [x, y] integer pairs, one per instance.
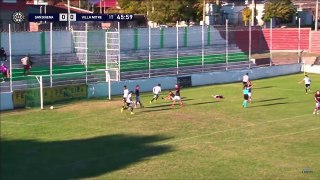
{"points": [[119, 55], [250, 38], [227, 44], [51, 55], [86, 53], [202, 45], [271, 42], [41, 92], [177, 48], [10, 58], [299, 40], [109, 86], [149, 51]]}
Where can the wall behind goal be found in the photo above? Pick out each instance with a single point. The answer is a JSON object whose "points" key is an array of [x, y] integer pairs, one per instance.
{"points": [[146, 85], [311, 69], [23, 43], [236, 76], [6, 101]]}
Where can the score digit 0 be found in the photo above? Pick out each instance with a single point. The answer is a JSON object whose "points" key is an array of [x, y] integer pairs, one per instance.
{"points": [[64, 17]]}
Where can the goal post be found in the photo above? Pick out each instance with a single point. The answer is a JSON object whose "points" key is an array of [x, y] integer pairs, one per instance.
{"points": [[66, 86]]}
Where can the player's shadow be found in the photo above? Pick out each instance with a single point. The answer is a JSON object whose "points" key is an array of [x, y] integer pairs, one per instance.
{"points": [[159, 106], [271, 104], [264, 87], [78, 158], [273, 99], [186, 99], [155, 110], [201, 103]]}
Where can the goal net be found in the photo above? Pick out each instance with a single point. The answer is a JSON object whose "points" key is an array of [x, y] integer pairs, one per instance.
{"points": [[60, 88]]}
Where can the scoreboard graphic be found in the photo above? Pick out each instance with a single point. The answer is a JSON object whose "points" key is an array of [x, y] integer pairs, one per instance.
{"points": [[80, 17]]}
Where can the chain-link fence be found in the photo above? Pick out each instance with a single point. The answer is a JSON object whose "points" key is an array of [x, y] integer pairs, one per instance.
{"points": [[151, 52]]}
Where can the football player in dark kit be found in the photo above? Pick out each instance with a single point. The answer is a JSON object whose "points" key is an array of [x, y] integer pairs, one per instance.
{"points": [[138, 101], [317, 99], [177, 96]]}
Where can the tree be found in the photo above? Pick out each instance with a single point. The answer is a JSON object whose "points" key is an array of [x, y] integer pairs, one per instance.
{"points": [[165, 11], [246, 15], [280, 9], [133, 6], [199, 8]]}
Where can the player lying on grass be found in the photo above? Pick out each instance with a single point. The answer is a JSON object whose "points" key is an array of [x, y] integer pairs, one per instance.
{"points": [[317, 99], [217, 96]]}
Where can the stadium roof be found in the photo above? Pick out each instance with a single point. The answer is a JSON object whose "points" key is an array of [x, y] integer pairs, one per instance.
{"points": [[104, 3]]}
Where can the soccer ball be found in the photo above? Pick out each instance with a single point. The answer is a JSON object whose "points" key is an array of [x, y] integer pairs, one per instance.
{"points": [[51, 107]]}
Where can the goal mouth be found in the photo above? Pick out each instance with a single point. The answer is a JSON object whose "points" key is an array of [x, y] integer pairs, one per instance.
{"points": [[50, 89]]}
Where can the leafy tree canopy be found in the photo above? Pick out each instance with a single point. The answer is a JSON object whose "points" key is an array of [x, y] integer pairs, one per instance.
{"points": [[279, 9], [165, 11]]}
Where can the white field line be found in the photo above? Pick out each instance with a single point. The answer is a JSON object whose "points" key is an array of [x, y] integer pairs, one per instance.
{"points": [[232, 129]]}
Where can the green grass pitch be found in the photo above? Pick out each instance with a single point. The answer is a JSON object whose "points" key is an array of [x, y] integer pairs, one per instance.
{"points": [[276, 137]]}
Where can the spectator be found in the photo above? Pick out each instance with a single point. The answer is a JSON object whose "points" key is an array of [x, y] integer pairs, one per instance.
{"points": [[27, 63], [4, 71], [3, 54]]}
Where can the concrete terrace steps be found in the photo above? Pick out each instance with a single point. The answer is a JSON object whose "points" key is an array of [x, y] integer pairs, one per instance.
{"points": [[162, 53], [44, 60], [184, 70], [315, 42], [170, 62]]}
